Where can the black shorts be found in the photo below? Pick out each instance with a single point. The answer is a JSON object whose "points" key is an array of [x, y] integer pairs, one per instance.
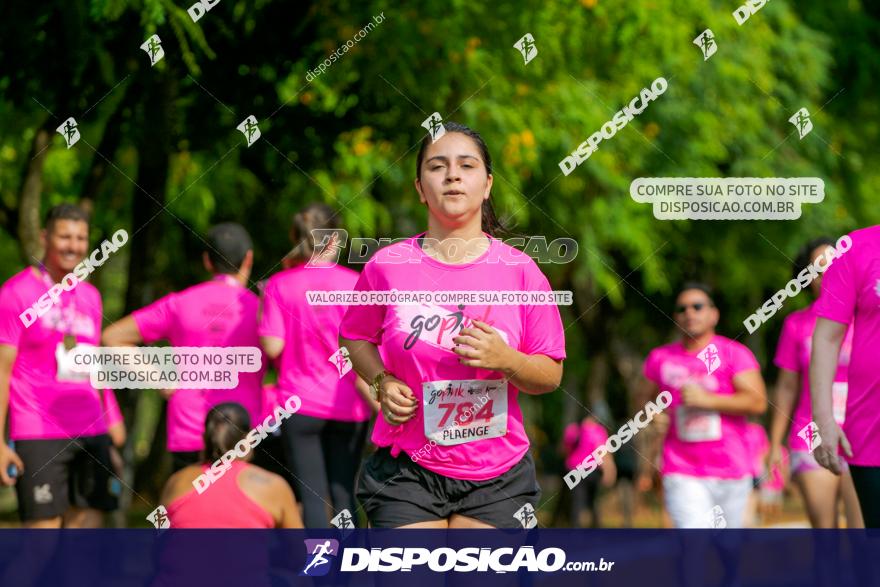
{"points": [[396, 491], [867, 483], [62, 472]]}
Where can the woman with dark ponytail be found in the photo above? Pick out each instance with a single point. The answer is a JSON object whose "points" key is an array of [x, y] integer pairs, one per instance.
{"points": [[453, 449], [324, 440], [822, 490], [244, 496]]}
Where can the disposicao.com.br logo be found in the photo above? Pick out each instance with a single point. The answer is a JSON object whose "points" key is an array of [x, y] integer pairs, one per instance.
{"points": [[442, 560]]}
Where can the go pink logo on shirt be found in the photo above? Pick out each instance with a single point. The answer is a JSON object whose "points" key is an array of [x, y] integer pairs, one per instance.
{"points": [[435, 325]]}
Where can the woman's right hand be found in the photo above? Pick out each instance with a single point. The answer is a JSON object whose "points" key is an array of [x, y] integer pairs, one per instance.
{"points": [[661, 422], [9, 457], [831, 436], [397, 401]]}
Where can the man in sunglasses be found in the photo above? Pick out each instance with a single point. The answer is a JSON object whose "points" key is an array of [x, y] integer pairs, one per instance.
{"points": [[715, 384]]}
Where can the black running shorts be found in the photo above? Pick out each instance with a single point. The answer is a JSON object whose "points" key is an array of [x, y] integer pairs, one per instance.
{"points": [[396, 491], [62, 472]]}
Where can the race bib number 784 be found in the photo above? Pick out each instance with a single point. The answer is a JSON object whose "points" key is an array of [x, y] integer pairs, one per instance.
{"points": [[464, 410]]}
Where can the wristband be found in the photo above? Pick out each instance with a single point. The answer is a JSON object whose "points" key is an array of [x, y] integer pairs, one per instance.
{"points": [[374, 386]]}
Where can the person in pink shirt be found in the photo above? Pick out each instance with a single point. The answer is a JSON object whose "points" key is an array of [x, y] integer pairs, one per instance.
{"points": [[453, 451], [821, 489], [579, 440], [62, 450], [324, 440], [220, 312], [245, 497], [715, 384], [850, 295]]}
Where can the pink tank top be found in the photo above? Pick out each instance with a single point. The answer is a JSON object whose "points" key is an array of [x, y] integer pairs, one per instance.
{"points": [[222, 505]]}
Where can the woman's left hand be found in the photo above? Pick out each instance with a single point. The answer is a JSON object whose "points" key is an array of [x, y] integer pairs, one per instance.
{"points": [[482, 347], [694, 396]]}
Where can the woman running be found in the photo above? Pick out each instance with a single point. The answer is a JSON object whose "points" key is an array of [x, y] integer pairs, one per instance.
{"points": [[450, 373], [246, 496], [324, 440], [821, 489], [851, 294]]}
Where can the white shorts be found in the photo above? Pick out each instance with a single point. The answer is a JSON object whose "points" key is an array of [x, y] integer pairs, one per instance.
{"points": [[706, 502]]}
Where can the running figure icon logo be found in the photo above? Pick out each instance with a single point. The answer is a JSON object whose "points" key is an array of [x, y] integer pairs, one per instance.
{"points": [[526, 516], [527, 47], [801, 121], [706, 42], [153, 47], [159, 518], [434, 124], [43, 493], [810, 434], [69, 131], [249, 128], [317, 563], [343, 520], [709, 356], [341, 361], [716, 518]]}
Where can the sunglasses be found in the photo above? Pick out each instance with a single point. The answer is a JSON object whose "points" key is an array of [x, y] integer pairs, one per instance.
{"points": [[683, 308]]}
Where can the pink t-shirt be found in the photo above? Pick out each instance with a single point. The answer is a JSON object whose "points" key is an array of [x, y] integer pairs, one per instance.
{"points": [[271, 399], [702, 443], [214, 313], [112, 413], [851, 294], [757, 444], [793, 353], [581, 440], [311, 337], [417, 348], [40, 405]]}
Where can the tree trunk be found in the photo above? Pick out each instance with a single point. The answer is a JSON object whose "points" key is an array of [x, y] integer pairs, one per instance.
{"points": [[108, 146], [156, 97], [154, 148], [29, 223], [150, 474]]}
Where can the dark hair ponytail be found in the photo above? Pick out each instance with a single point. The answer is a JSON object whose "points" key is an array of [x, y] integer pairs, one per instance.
{"points": [[225, 425], [314, 216], [490, 223]]}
